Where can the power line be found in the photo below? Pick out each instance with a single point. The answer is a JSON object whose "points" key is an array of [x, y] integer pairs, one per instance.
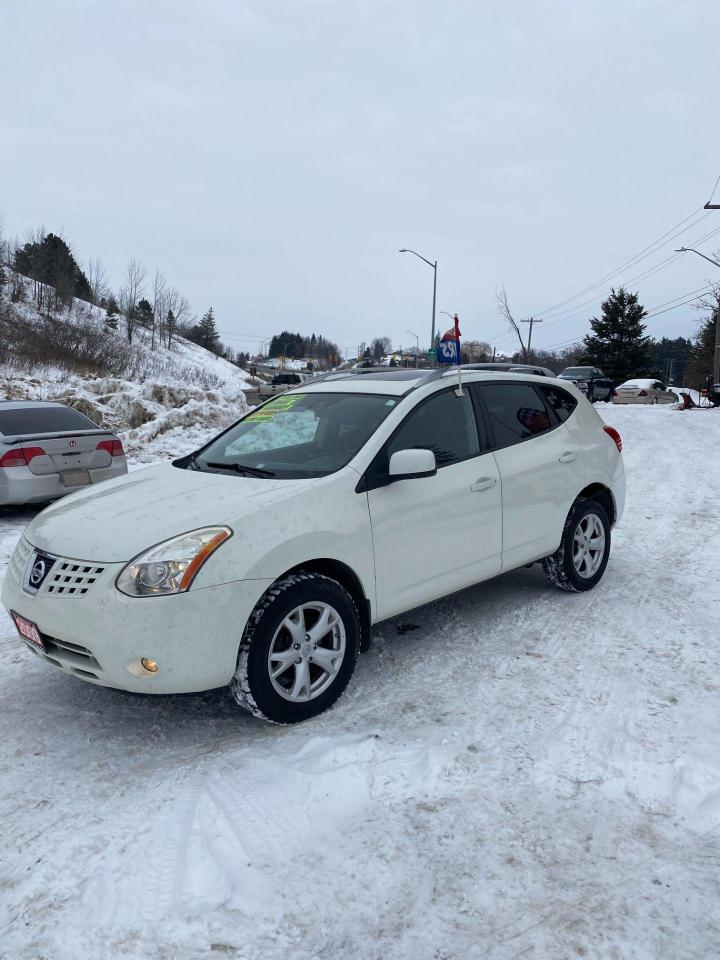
{"points": [[572, 312], [642, 255]]}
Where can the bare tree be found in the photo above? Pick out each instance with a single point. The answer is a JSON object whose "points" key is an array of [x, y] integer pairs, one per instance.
{"points": [[158, 302], [503, 306], [175, 312], [97, 278], [131, 291]]}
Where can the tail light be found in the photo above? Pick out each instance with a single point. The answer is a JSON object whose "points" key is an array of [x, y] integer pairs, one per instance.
{"points": [[21, 457], [614, 436], [643, 393], [113, 447]]}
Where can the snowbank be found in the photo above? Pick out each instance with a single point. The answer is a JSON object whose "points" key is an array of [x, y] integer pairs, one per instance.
{"points": [[513, 772]]}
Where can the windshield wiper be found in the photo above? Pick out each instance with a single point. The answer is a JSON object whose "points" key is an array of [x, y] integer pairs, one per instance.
{"points": [[242, 469]]}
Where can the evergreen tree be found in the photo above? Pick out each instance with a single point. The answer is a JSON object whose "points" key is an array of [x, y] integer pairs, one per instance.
{"points": [[702, 354], [208, 336], [670, 357], [618, 343], [50, 261], [112, 311], [144, 313], [3, 277]]}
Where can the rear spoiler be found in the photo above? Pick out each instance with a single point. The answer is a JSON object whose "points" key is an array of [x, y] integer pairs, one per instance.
{"points": [[18, 438]]}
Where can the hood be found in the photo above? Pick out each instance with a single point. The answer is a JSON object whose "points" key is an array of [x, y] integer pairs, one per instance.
{"points": [[118, 519]]}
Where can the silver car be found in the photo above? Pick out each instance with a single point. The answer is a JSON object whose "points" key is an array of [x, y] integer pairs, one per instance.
{"points": [[48, 450], [644, 390]]}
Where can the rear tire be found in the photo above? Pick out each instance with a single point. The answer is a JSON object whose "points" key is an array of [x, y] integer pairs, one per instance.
{"points": [[299, 649], [580, 561]]}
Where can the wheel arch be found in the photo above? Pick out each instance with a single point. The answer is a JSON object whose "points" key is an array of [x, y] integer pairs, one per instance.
{"points": [[347, 578], [604, 496]]}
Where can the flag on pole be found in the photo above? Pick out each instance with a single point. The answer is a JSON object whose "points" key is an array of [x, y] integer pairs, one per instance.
{"points": [[449, 346], [449, 350]]}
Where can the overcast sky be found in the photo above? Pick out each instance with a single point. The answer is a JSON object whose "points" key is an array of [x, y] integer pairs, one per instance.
{"points": [[271, 157]]}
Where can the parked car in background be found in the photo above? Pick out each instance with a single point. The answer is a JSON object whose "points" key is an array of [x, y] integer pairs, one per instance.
{"points": [[591, 380], [644, 390], [47, 450], [282, 382], [511, 368], [262, 560]]}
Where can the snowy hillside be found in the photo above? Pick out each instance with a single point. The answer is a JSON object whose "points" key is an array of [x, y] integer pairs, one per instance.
{"points": [[164, 398]]}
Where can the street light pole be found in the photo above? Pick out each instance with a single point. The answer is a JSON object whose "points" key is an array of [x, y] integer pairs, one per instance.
{"points": [[433, 264], [716, 358], [417, 346]]}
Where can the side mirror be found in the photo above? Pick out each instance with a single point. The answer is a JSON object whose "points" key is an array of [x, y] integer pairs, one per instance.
{"points": [[408, 464]]}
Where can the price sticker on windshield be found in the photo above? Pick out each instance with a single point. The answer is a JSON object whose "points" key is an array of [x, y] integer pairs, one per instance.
{"points": [[272, 409]]}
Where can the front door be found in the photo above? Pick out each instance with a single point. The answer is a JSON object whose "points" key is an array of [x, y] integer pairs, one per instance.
{"points": [[433, 535]]}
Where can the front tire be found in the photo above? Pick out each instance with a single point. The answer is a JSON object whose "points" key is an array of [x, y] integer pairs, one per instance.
{"points": [[299, 649], [580, 561]]}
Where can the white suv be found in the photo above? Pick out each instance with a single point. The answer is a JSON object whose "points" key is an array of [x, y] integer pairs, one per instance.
{"points": [[261, 561]]}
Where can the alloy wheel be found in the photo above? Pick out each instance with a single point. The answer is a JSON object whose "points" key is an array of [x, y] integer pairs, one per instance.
{"points": [[306, 652], [588, 545]]}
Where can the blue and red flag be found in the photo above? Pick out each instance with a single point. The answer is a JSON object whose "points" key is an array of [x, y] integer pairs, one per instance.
{"points": [[449, 346]]}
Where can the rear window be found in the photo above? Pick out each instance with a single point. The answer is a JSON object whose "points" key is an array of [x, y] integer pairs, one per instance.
{"points": [[560, 402], [516, 412], [28, 420]]}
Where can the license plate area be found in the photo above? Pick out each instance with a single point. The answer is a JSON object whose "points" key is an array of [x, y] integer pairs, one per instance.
{"points": [[75, 478], [29, 632]]}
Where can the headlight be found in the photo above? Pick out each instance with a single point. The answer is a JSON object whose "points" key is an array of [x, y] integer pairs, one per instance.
{"points": [[171, 566]]}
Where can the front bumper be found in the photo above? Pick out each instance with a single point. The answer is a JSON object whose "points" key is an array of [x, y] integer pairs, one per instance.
{"points": [[101, 635]]}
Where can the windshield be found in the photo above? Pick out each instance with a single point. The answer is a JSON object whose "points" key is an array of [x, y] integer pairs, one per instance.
{"points": [[298, 435], [577, 372]]}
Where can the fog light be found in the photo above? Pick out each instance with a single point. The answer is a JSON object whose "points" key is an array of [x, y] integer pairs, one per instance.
{"points": [[149, 665]]}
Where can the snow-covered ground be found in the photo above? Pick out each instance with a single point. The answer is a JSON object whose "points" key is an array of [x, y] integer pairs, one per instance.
{"points": [[513, 772]]}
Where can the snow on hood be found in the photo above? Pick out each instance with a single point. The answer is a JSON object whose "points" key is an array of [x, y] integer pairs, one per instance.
{"points": [[118, 519]]}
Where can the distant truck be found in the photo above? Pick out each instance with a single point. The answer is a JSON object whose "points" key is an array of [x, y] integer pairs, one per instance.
{"points": [[281, 382], [591, 380]]}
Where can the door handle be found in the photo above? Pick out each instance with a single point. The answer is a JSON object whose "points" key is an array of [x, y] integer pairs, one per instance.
{"points": [[568, 457], [484, 483]]}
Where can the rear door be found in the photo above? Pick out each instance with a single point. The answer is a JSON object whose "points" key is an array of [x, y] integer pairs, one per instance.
{"points": [[433, 535], [540, 460]]}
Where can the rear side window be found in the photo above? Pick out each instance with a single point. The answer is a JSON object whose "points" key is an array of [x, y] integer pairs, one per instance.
{"points": [[444, 424], [29, 420], [560, 402], [516, 412]]}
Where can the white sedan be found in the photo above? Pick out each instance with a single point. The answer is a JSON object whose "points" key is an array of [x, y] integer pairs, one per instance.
{"points": [[262, 560], [644, 391]]}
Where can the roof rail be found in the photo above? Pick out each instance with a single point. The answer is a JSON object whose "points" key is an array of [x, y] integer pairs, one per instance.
{"points": [[360, 371], [428, 378]]}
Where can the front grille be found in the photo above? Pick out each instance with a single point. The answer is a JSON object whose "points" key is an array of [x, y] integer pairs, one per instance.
{"points": [[65, 578], [70, 578]]}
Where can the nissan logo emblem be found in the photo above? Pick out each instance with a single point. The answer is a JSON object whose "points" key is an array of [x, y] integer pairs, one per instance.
{"points": [[37, 573]]}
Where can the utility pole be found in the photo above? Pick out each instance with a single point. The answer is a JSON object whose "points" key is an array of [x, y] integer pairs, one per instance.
{"points": [[531, 321], [716, 358]]}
